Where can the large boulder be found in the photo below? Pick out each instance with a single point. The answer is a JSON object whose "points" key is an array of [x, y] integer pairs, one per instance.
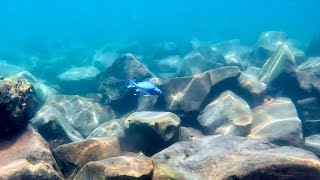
{"points": [[151, 131], [309, 112], [103, 59], [228, 115], [232, 157], [18, 103], [122, 167], [65, 118], [73, 156], [113, 82], [27, 156], [78, 80], [277, 121]]}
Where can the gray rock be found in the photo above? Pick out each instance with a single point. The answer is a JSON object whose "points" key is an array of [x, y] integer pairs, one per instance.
{"points": [[152, 131], [113, 82], [309, 112], [189, 133], [122, 167], [73, 156], [200, 60], [112, 128], [232, 157], [8, 70], [228, 115], [104, 59], [277, 121], [312, 143], [18, 104], [78, 80], [75, 117], [27, 156], [268, 44]]}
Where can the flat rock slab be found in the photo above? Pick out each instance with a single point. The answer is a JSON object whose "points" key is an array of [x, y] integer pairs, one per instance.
{"points": [[122, 167], [312, 143], [232, 157], [277, 121], [73, 156], [27, 156]]}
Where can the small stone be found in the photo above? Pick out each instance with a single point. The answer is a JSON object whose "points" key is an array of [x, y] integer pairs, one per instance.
{"points": [[189, 133]]}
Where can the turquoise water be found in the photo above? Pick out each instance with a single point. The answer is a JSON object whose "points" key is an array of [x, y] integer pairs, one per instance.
{"points": [[36, 21]]}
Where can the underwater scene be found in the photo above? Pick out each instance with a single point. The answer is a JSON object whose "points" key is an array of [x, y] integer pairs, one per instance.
{"points": [[170, 89]]}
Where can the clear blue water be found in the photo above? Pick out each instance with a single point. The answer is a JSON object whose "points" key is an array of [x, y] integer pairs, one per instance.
{"points": [[24, 22]]}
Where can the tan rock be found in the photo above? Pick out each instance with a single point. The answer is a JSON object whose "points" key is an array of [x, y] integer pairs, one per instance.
{"points": [[122, 167], [27, 156], [73, 156]]}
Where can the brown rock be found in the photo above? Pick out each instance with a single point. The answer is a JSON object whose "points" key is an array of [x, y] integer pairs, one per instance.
{"points": [[232, 157], [73, 156], [27, 156], [122, 167]]}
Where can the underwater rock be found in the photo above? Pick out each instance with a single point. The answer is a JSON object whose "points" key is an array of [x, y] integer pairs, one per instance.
{"points": [[113, 82], [8, 70], [201, 60], [151, 131], [43, 91], [281, 60], [102, 60], [312, 143], [70, 117], [189, 133], [122, 167], [228, 115], [78, 80], [309, 112], [18, 103], [73, 156], [232, 157], [268, 44], [255, 90], [277, 121], [167, 65], [309, 76], [112, 128], [52, 124], [313, 48], [190, 93], [27, 156]]}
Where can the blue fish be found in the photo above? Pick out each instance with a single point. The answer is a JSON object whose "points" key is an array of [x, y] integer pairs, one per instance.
{"points": [[147, 88]]}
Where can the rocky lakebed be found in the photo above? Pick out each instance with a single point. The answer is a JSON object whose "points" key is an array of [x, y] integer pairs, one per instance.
{"points": [[227, 112]]}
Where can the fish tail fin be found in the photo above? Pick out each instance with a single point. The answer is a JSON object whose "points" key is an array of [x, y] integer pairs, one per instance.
{"points": [[132, 84]]}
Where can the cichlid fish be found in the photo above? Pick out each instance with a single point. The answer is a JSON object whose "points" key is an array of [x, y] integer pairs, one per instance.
{"points": [[147, 88]]}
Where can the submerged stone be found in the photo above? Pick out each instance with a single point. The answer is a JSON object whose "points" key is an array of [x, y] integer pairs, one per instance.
{"points": [[78, 80], [113, 82], [277, 121], [189, 133], [151, 131], [65, 118], [232, 157], [18, 103], [73, 156], [312, 143], [27, 156], [275, 65], [228, 115], [112, 128], [122, 167]]}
